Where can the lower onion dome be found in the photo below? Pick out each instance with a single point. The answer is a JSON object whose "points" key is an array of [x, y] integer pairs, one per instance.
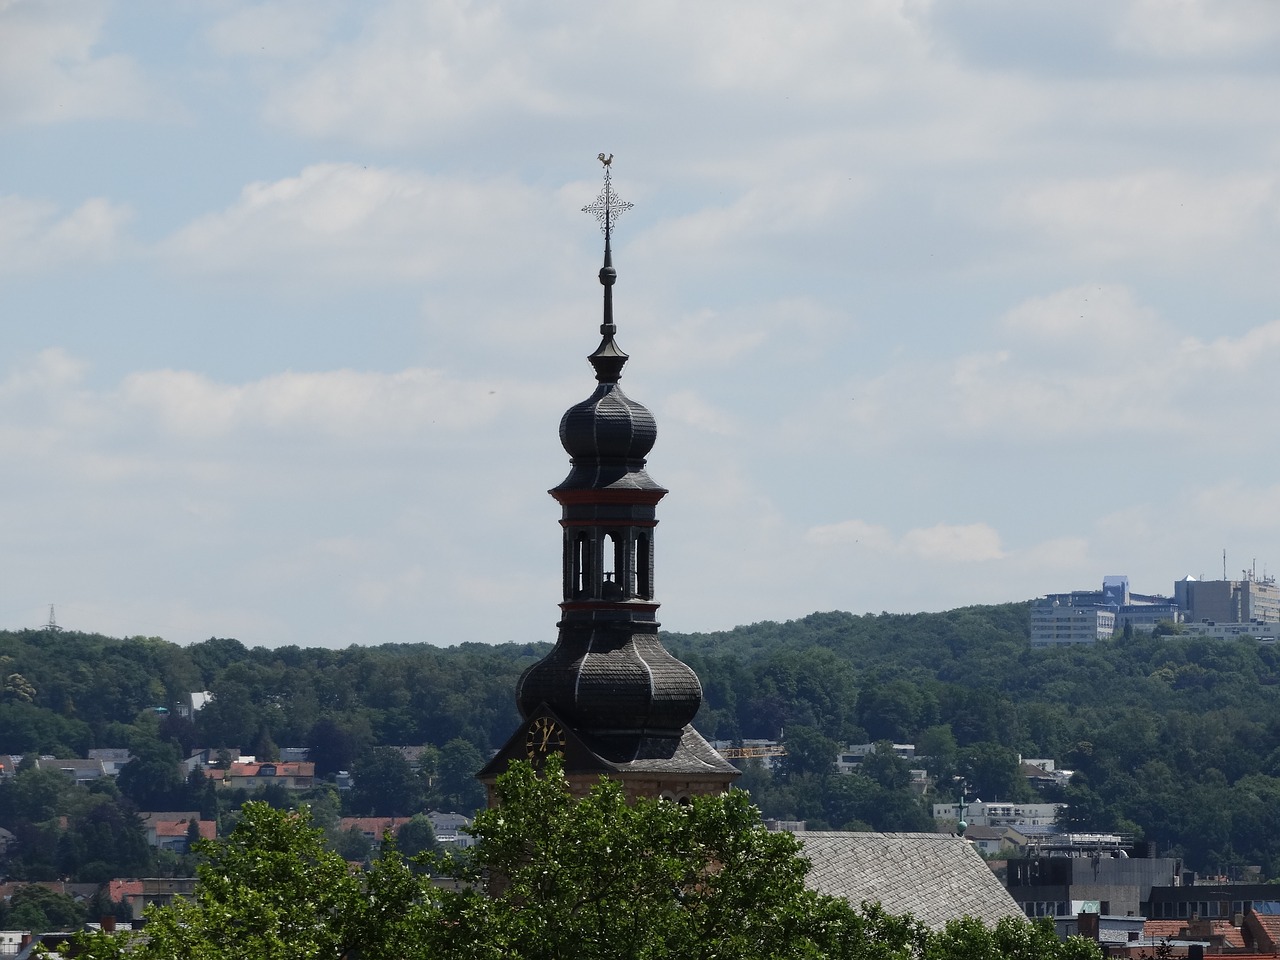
{"points": [[607, 678]]}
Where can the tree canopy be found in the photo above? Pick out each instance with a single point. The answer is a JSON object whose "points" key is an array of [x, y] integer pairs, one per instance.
{"points": [[550, 877], [1173, 738]]}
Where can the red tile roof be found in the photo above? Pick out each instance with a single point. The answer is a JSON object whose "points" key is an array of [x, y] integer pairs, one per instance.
{"points": [[178, 828], [120, 890], [1163, 929], [376, 826], [1231, 935], [1269, 925]]}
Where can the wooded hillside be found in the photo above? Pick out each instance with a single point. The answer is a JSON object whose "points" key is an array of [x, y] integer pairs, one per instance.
{"points": [[1174, 739]]}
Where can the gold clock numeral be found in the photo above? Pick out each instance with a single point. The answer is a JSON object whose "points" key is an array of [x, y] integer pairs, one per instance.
{"points": [[544, 736]]}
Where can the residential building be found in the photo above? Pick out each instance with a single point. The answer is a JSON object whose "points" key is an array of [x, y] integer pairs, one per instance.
{"points": [[989, 841], [160, 891], [449, 829], [851, 756], [997, 813], [1043, 773], [11, 941], [255, 776], [81, 771], [172, 830], [373, 828], [113, 759]]}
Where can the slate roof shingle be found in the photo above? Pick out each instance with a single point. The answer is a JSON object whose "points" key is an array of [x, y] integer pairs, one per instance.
{"points": [[935, 877]]}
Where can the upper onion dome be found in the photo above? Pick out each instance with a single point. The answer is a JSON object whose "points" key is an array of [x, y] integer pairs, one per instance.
{"points": [[608, 425]]}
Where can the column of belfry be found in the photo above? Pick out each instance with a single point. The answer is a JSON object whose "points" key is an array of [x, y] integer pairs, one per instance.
{"points": [[609, 697]]}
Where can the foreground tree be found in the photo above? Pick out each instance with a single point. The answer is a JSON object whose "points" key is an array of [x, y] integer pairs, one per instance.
{"points": [[601, 877], [550, 877]]}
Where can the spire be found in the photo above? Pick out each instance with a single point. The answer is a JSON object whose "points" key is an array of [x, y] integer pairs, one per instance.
{"points": [[609, 695], [608, 358]]}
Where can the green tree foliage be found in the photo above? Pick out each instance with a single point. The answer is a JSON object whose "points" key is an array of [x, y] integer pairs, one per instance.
{"points": [[272, 889], [992, 772], [809, 753], [385, 785], [456, 788], [591, 879], [417, 837], [41, 910], [1202, 717]]}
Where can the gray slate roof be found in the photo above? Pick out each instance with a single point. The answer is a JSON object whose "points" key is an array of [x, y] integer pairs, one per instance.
{"points": [[935, 877]]}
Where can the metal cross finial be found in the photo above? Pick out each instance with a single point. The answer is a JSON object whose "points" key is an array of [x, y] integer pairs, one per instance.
{"points": [[607, 207]]}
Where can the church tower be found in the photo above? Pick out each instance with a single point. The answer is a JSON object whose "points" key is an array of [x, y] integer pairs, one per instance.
{"points": [[609, 697]]}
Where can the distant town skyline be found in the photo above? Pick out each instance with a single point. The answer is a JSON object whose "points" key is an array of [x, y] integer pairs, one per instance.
{"points": [[935, 304]]}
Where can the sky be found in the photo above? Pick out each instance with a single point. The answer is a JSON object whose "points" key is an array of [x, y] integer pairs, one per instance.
{"points": [[935, 303]]}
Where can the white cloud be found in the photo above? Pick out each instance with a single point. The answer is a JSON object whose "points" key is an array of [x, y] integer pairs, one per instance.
{"points": [[1063, 555], [1085, 357], [35, 235], [52, 369], [874, 536], [955, 543], [346, 403], [407, 72], [50, 71], [1154, 213], [288, 30], [1104, 317], [416, 67], [1198, 29], [786, 207], [689, 408], [342, 222], [943, 542], [1237, 507]]}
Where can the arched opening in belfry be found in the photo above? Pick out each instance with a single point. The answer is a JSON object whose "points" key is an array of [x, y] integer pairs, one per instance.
{"points": [[644, 588], [614, 559], [581, 565]]}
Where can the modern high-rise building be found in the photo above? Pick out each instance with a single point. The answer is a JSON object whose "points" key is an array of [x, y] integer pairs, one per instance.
{"points": [[609, 698], [1251, 599]]}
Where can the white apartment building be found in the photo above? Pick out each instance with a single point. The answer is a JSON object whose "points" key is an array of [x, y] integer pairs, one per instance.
{"points": [[998, 813]]}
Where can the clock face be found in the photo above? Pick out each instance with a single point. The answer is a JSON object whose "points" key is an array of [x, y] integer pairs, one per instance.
{"points": [[545, 736]]}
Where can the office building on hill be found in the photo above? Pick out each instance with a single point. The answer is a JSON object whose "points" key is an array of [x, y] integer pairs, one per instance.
{"points": [[1249, 600], [1087, 616]]}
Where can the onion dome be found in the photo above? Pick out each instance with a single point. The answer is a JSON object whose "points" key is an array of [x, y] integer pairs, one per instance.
{"points": [[607, 436], [613, 681]]}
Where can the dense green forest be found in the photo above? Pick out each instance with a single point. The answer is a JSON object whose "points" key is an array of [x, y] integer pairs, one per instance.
{"points": [[1176, 740]]}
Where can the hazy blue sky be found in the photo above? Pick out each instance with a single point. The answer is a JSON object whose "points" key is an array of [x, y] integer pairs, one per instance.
{"points": [[936, 304]]}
